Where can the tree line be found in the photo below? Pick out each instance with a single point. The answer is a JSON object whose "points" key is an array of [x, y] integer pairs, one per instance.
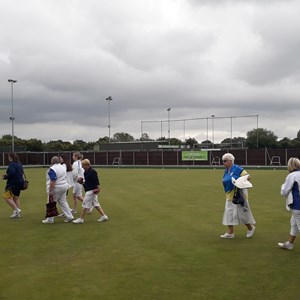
{"points": [[256, 138]]}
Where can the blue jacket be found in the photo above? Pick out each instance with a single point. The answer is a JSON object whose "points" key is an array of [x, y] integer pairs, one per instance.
{"points": [[15, 175]]}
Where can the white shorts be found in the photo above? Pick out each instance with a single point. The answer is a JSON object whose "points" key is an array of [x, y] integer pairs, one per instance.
{"points": [[234, 214], [77, 189], [90, 200], [295, 222]]}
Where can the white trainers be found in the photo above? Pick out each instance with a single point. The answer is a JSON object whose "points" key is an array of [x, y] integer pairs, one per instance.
{"points": [[16, 214], [78, 221], [68, 220], [286, 245], [250, 232], [73, 211], [48, 221], [103, 218], [61, 215], [227, 236]]}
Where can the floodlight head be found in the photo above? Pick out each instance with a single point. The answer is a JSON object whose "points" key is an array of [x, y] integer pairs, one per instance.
{"points": [[12, 80], [109, 98], [169, 109]]}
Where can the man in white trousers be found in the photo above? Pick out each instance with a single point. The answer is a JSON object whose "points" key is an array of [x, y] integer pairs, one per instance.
{"points": [[57, 186]]}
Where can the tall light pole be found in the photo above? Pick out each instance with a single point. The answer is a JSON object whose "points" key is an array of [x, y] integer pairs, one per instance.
{"points": [[12, 118], [168, 110], [213, 130], [109, 99]]}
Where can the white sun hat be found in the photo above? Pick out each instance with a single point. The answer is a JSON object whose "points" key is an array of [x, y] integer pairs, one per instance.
{"points": [[242, 182]]}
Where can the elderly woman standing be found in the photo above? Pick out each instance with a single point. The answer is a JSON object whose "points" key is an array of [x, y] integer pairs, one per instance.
{"points": [[291, 187], [235, 214], [14, 183]]}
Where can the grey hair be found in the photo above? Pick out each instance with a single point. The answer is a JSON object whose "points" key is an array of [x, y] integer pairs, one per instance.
{"points": [[228, 156], [78, 155], [293, 164], [54, 160]]}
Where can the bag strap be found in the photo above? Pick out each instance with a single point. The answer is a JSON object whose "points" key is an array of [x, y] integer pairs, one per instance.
{"points": [[51, 199]]}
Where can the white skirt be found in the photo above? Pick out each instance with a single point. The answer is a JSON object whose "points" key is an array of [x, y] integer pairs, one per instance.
{"points": [[235, 214]]}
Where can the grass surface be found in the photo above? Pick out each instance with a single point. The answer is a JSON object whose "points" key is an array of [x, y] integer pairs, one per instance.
{"points": [[161, 242]]}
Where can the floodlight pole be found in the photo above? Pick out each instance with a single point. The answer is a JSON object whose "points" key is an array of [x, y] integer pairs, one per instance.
{"points": [[213, 130], [109, 99], [168, 110], [256, 131], [12, 118], [207, 131], [230, 132]]}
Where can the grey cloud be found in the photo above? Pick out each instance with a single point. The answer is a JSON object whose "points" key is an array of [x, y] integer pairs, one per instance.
{"points": [[147, 55]]}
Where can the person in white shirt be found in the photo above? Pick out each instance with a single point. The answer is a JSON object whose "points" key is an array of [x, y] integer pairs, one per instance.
{"points": [[291, 191], [56, 188], [63, 158], [78, 173]]}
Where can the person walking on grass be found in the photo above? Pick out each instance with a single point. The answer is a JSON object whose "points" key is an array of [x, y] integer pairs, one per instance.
{"points": [[235, 214], [67, 164], [91, 186], [77, 172], [14, 177], [291, 191], [56, 187]]}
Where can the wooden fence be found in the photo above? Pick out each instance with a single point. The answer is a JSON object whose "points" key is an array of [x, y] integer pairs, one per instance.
{"points": [[164, 157]]}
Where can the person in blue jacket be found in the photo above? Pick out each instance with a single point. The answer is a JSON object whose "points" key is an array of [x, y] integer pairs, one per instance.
{"points": [[14, 177], [291, 188], [235, 214]]}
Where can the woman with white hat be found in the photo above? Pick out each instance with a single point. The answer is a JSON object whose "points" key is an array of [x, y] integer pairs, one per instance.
{"points": [[240, 213]]}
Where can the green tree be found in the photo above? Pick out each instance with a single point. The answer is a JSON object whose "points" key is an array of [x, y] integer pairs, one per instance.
{"points": [[236, 142], [103, 140], [191, 142], [207, 144], [79, 145], [5, 140], [145, 137], [174, 141], [295, 143], [285, 143], [122, 137], [161, 139], [58, 145], [261, 138], [34, 145]]}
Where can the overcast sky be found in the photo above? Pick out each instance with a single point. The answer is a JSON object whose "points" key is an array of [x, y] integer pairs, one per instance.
{"points": [[226, 58]]}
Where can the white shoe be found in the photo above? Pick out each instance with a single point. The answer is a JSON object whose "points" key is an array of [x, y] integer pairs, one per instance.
{"points": [[16, 214], [47, 221], [103, 218], [250, 232], [67, 220], [227, 236], [61, 215], [286, 245], [73, 211], [78, 221]]}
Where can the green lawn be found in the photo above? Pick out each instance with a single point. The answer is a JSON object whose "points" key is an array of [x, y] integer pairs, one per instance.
{"points": [[161, 242]]}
